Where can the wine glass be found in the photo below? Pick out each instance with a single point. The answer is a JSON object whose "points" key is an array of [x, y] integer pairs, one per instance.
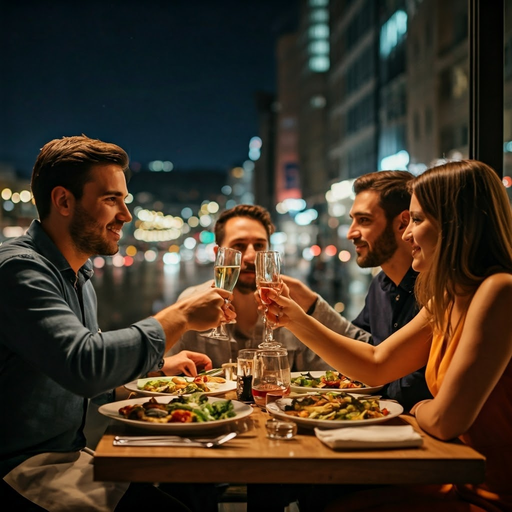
{"points": [[226, 271], [268, 277], [271, 374]]}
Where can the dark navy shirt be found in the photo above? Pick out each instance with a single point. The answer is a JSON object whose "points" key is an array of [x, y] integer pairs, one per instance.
{"points": [[53, 357], [388, 308]]}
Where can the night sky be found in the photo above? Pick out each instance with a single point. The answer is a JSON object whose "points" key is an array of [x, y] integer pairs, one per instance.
{"points": [[169, 80]]}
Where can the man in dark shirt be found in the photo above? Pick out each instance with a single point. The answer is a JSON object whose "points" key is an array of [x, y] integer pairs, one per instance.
{"points": [[50, 333], [380, 214]]}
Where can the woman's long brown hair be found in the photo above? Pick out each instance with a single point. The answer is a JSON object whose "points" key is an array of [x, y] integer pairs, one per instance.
{"points": [[467, 201]]}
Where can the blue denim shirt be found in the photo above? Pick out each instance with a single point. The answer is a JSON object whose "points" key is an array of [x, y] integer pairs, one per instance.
{"points": [[387, 309], [53, 355]]}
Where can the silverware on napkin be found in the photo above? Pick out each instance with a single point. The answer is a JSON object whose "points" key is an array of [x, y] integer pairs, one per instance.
{"points": [[208, 442]]}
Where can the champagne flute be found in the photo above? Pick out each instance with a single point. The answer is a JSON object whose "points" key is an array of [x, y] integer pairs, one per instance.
{"points": [[268, 277], [226, 271], [271, 374]]}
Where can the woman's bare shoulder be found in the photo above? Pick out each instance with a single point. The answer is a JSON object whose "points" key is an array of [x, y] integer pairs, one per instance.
{"points": [[501, 281], [494, 290]]}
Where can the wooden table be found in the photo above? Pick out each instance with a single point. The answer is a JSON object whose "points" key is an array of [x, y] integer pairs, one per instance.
{"points": [[252, 458]]}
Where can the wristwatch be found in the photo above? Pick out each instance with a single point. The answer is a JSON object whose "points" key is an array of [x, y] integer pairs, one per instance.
{"points": [[161, 364]]}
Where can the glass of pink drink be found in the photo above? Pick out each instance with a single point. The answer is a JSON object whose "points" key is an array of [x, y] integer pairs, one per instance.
{"points": [[268, 278], [271, 374]]}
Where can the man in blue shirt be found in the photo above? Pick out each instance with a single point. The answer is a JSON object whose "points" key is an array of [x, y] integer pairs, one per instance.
{"points": [[380, 214], [53, 355]]}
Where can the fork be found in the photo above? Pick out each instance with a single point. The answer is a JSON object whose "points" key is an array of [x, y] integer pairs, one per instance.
{"points": [[172, 440]]}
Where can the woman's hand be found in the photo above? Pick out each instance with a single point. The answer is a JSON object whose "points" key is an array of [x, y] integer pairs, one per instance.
{"points": [[283, 310]]}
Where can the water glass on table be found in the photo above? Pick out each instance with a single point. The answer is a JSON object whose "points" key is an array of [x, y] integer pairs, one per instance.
{"points": [[271, 374], [229, 371], [244, 374]]}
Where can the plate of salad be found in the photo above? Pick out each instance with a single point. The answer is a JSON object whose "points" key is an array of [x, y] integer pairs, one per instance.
{"points": [[175, 385], [334, 410], [325, 381], [194, 412]]}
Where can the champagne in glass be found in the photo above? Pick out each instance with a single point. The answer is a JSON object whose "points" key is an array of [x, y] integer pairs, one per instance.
{"points": [[268, 277], [226, 276], [226, 271]]}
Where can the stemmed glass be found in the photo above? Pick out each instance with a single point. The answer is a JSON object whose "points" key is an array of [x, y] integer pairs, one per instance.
{"points": [[268, 277], [271, 374], [226, 271]]}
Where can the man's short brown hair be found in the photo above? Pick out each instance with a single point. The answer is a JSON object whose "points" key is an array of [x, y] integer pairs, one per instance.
{"points": [[392, 187], [67, 162], [251, 211]]}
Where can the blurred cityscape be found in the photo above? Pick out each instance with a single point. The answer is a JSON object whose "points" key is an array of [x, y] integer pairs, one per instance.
{"points": [[363, 85]]}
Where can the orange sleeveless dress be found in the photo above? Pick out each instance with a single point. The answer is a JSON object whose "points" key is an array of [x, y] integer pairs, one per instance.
{"points": [[490, 434]]}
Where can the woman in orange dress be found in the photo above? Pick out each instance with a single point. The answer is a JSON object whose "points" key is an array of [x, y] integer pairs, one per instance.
{"points": [[461, 241]]}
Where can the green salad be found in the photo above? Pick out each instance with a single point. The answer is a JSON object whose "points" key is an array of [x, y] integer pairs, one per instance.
{"points": [[335, 406], [193, 408], [330, 379]]}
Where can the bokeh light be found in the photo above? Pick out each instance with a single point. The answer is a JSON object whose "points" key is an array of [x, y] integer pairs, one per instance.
{"points": [[344, 256]]}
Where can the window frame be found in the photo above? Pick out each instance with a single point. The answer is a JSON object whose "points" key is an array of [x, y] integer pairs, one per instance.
{"points": [[486, 88]]}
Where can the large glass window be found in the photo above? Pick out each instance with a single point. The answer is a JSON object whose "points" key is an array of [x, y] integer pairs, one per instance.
{"points": [[507, 101], [437, 82]]}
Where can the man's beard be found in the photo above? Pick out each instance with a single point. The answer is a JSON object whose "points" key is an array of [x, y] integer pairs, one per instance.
{"points": [[246, 288], [383, 249], [86, 235]]}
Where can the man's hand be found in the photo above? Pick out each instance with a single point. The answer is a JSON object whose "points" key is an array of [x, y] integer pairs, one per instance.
{"points": [[198, 312], [229, 310], [187, 362], [197, 289], [203, 308], [300, 293]]}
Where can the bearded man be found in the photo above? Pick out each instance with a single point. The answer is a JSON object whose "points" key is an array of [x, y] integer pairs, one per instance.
{"points": [[50, 331], [248, 228], [380, 214]]}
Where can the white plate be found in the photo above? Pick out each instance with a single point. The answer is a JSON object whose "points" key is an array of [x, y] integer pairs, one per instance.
{"points": [[277, 409], [111, 410], [216, 388], [367, 390]]}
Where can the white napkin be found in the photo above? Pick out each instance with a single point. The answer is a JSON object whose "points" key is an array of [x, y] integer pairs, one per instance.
{"points": [[370, 437]]}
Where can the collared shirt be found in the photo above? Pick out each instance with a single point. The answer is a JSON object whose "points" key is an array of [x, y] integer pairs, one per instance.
{"points": [[387, 309], [300, 356], [52, 354]]}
